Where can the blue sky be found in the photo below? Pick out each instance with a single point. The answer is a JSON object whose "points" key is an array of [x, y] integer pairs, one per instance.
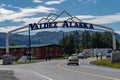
{"points": [[18, 13]]}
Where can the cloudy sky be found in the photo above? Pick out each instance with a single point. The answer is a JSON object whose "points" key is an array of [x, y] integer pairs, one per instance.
{"points": [[18, 13]]}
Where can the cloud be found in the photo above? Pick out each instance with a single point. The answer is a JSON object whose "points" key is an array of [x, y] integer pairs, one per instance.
{"points": [[26, 15], [8, 6], [8, 28], [28, 20], [23, 12], [106, 19], [88, 1], [5, 13], [54, 2], [117, 32], [37, 1], [22, 15], [3, 5]]}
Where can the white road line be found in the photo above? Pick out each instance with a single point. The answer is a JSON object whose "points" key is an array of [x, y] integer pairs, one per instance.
{"points": [[38, 74], [42, 75], [99, 68]]}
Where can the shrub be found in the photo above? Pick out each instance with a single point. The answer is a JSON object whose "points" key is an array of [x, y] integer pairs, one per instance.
{"points": [[106, 62]]}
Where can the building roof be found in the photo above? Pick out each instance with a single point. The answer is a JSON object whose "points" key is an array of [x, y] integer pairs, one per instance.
{"points": [[26, 46]]}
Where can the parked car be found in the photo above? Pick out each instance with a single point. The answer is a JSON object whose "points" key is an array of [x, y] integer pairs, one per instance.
{"points": [[82, 56], [109, 54], [73, 60]]}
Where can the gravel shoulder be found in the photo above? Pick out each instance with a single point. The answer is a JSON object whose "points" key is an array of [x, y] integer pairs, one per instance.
{"points": [[7, 75]]}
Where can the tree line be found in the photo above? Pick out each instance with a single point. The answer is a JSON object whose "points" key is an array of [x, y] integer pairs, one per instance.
{"points": [[87, 40]]}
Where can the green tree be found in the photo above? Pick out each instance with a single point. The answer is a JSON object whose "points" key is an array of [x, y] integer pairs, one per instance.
{"points": [[96, 37], [86, 39], [102, 40], [76, 39], [107, 40], [70, 43]]}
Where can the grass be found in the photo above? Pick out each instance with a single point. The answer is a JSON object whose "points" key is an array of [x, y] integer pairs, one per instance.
{"points": [[19, 62], [26, 62], [34, 61], [60, 58], [106, 63]]}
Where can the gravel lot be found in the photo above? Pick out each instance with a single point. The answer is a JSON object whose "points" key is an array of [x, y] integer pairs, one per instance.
{"points": [[7, 75]]}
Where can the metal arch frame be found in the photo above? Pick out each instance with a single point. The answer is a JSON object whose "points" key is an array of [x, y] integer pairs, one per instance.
{"points": [[27, 26]]}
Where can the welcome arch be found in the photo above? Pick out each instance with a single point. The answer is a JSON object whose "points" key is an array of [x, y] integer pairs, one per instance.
{"points": [[70, 22]]}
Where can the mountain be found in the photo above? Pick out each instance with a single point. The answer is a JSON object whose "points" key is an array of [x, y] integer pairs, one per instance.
{"points": [[44, 37]]}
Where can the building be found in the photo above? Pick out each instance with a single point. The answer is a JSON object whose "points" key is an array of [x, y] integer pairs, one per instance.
{"points": [[38, 51]]}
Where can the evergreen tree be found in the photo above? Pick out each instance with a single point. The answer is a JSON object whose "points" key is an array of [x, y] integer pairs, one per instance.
{"points": [[74, 41], [86, 39], [107, 40], [70, 43]]}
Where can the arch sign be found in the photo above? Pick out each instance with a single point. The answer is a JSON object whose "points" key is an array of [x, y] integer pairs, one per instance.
{"points": [[65, 24], [70, 22]]}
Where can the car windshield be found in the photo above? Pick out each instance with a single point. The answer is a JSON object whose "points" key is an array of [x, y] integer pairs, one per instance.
{"points": [[73, 57]]}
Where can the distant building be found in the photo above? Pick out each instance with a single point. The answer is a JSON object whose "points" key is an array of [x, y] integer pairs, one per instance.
{"points": [[38, 51], [95, 51], [101, 50]]}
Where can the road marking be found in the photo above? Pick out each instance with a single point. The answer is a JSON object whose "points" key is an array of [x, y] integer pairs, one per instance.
{"points": [[38, 74], [42, 75], [99, 68], [89, 74]]}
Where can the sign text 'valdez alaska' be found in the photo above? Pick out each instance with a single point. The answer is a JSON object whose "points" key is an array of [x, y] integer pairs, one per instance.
{"points": [[65, 24]]}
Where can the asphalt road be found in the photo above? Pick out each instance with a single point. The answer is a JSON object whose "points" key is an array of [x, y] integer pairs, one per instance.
{"points": [[59, 70]]}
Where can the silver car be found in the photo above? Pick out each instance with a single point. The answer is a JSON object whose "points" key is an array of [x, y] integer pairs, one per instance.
{"points": [[73, 60]]}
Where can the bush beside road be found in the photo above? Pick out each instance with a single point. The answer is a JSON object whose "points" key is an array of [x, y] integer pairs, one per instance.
{"points": [[106, 63], [26, 62]]}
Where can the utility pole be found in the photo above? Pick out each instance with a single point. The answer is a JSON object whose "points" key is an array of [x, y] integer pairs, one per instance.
{"points": [[114, 41], [7, 43], [7, 58], [29, 45], [63, 44]]}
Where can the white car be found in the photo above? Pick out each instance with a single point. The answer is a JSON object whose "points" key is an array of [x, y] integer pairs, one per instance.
{"points": [[73, 60]]}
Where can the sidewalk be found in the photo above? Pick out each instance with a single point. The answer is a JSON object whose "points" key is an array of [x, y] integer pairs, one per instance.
{"points": [[7, 75]]}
